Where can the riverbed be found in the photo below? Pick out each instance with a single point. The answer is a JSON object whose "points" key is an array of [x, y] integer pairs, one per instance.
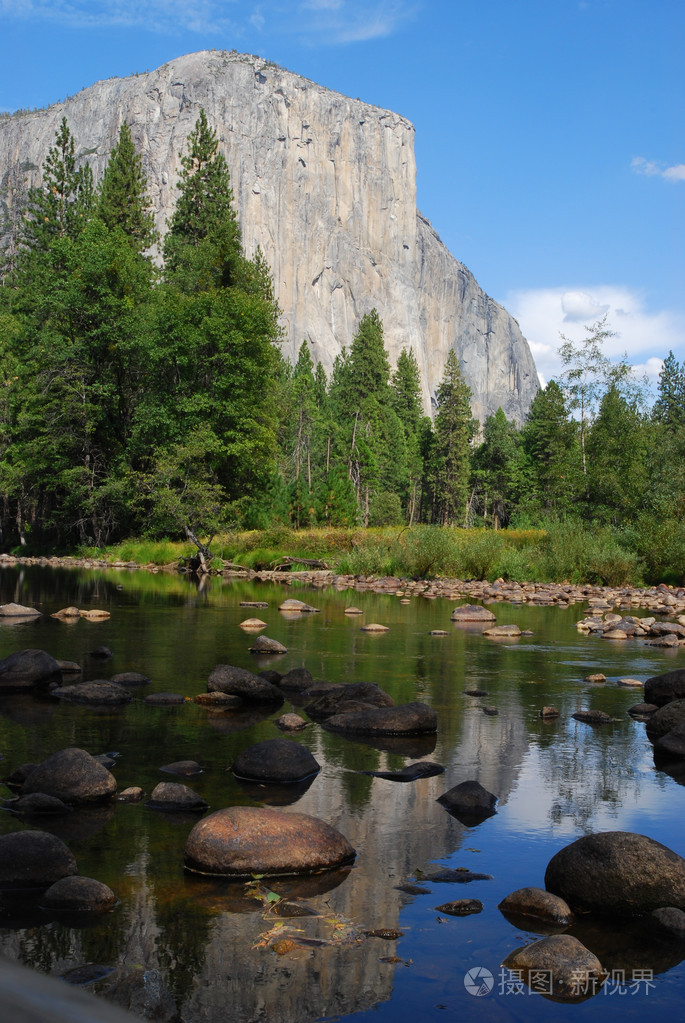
{"points": [[213, 945]]}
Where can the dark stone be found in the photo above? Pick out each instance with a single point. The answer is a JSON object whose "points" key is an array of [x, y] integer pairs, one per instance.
{"points": [[412, 889], [476, 692], [408, 719], [491, 711], [130, 678], [549, 712], [141, 992], [297, 680], [575, 972], [275, 760], [270, 675], [98, 692], [617, 872], [33, 859], [16, 779], [73, 776], [338, 699], [186, 768], [36, 803], [672, 745], [669, 922], [461, 907], [240, 841], [226, 678], [593, 717], [101, 653], [170, 795], [642, 710], [422, 769], [461, 875], [537, 903], [664, 719], [662, 689], [165, 699], [69, 667], [28, 669], [79, 895], [469, 802]]}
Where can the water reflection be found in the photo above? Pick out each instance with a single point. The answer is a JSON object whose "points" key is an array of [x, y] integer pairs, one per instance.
{"points": [[554, 781]]}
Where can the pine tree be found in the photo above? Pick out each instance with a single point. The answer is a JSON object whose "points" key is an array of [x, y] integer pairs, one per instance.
{"points": [[406, 400], [669, 407], [498, 469], [203, 244], [123, 201], [454, 429], [551, 445], [62, 204]]}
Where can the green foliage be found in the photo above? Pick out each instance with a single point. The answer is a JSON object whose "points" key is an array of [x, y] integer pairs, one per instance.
{"points": [[122, 196], [454, 430]]}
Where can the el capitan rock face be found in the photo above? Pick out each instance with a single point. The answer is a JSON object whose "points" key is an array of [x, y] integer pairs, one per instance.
{"points": [[326, 185]]}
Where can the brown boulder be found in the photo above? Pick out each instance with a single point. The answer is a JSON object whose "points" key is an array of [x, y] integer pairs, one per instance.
{"points": [[472, 613], [99, 692], [169, 795], [537, 903], [240, 841], [559, 966], [618, 873]]}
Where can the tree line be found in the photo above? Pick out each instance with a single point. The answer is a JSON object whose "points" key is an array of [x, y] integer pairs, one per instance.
{"points": [[139, 399]]}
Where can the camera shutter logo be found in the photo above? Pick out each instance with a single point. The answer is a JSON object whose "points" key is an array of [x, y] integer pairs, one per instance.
{"points": [[479, 981]]}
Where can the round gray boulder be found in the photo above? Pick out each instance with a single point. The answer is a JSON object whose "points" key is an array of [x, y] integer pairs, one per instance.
{"points": [[469, 801], [661, 689], [99, 692], [33, 859], [664, 719], [226, 678], [28, 669], [346, 696], [472, 613], [408, 719], [275, 760], [240, 841], [618, 873], [79, 895], [73, 776]]}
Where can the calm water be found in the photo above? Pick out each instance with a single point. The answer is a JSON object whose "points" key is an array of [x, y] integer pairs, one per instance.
{"points": [[554, 781]]}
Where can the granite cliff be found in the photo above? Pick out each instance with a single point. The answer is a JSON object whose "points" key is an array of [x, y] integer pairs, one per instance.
{"points": [[326, 185]]}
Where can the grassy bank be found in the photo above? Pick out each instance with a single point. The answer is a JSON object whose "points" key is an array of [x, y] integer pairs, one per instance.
{"points": [[572, 552]]}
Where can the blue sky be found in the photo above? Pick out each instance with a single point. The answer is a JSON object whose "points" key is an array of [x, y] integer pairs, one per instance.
{"points": [[549, 133]]}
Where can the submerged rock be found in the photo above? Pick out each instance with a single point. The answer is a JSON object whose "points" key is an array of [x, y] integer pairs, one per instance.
{"points": [[560, 966], [99, 692], [240, 841], [79, 895], [409, 719], [412, 772], [225, 678], [28, 669], [33, 859], [290, 723], [275, 760]]}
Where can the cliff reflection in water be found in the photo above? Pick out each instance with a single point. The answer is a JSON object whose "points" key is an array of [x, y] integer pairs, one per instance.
{"points": [[212, 942]]}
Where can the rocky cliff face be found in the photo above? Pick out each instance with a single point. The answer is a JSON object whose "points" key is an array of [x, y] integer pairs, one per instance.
{"points": [[326, 185]]}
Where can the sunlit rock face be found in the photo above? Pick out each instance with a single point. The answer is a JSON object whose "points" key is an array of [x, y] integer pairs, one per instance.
{"points": [[326, 185]]}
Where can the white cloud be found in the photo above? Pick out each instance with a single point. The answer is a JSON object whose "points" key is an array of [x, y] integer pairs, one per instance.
{"points": [[651, 169], [644, 335], [321, 21]]}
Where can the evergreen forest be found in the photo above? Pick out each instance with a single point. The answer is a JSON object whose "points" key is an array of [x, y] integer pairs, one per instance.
{"points": [[148, 397]]}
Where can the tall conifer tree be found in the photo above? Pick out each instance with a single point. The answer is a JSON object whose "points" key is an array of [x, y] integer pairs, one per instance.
{"points": [[454, 429], [123, 200]]}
